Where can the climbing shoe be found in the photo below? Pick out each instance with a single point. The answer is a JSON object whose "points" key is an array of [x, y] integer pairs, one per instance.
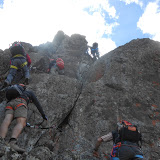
{"points": [[13, 145], [26, 82]]}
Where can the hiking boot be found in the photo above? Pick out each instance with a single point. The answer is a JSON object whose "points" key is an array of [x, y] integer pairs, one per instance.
{"points": [[13, 145], [5, 84], [26, 82]]}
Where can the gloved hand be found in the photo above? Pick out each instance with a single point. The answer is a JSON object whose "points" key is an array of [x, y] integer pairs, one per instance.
{"points": [[48, 70], [95, 154], [45, 117]]}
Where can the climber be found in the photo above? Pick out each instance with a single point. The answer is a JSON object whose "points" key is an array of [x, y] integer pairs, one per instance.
{"points": [[18, 98], [18, 62], [51, 64], [126, 140], [19, 75], [58, 64], [94, 50]]}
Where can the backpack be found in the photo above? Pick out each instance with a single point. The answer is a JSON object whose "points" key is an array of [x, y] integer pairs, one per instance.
{"points": [[14, 91], [28, 60], [125, 132], [17, 49], [60, 63], [129, 132]]}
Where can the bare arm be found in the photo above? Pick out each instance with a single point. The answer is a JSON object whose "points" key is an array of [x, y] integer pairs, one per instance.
{"points": [[98, 143], [105, 138]]}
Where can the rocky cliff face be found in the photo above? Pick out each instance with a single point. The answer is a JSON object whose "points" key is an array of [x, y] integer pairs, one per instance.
{"points": [[88, 100]]}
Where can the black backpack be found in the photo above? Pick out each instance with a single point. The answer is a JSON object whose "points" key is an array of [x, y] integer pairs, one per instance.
{"points": [[130, 133], [14, 91], [16, 49]]}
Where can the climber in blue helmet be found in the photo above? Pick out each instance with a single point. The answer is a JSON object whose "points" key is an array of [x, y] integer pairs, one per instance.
{"points": [[94, 50]]}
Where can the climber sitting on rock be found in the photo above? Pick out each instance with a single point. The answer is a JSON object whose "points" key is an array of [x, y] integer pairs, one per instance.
{"points": [[18, 62], [126, 142], [18, 99], [57, 64], [94, 50]]}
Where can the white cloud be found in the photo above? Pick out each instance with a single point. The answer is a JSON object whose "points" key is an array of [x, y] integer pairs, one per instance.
{"points": [[37, 21], [106, 45], [149, 22], [97, 5], [139, 2]]}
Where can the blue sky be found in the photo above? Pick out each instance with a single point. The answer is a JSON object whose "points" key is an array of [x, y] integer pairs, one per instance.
{"points": [[128, 18], [111, 23]]}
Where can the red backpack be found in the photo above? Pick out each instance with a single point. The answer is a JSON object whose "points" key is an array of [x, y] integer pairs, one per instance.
{"points": [[28, 60], [60, 63]]}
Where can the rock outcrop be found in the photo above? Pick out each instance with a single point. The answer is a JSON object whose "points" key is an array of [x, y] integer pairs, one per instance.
{"points": [[88, 100]]}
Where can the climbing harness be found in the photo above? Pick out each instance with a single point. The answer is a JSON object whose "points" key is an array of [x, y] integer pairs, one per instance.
{"points": [[22, 65], [18, 55], [115, 148]]}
